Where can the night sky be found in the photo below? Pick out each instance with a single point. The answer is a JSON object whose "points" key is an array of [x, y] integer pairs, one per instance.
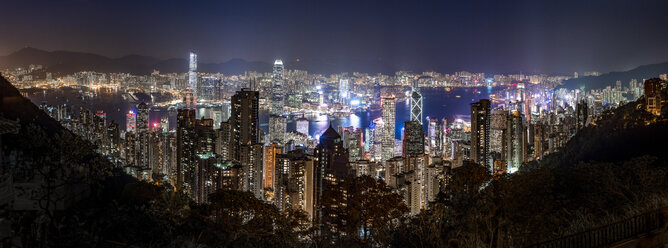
{"points": [[489, 36]]}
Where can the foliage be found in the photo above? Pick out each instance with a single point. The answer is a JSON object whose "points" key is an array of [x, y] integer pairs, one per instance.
{"points": [[361, 211]]}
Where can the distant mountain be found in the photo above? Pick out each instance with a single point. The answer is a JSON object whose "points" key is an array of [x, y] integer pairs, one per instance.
{"points": [[599, 82], [65, 62]]}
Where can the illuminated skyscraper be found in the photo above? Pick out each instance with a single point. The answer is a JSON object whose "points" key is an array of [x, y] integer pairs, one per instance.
{"points": [[389, 108], [343, 89], [375, 139], [515, 143], [277, 93], [131, 122], [142, 135], [416, 105], [142, 118], [244, 141], [480, 130], [270, 153], [435, 134], [185, 149], [244, 120], [192, 72], [497, 135]]}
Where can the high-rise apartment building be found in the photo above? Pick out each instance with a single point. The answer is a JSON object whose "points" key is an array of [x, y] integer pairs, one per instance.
{"points": [[480, 131], [185, 149], [388, 115], [413, 143]]}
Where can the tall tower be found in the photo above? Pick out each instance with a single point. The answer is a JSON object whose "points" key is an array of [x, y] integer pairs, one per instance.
{"points": [[131, 122], [142, 136], [515, 136], [435, 134], [142, 117], [244, 120], [244, 141], [416, 104], [329, 167], [277, 88], [413, 138], [480, 121], [343, 89], [389, 108], [192, 71], [185, 149]]}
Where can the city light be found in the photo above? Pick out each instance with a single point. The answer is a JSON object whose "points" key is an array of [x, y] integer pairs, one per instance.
{"points": [[384, 124]]}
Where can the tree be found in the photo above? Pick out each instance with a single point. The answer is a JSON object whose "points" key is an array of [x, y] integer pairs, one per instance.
{"points": [[363, 210]]}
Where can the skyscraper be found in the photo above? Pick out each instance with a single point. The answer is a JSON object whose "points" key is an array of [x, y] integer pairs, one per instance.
{"points": [[244, 120], [480, 129], [185, 149], [329, 166], [497, 136], [142, 135], [376, 139], [270, 153], [416, 105], [435, 134], [142, 117], [277, 93], [131, 122], [245, 144], [343, 89], [192, 72], [515, 143], [413, 143], [389, 108]]}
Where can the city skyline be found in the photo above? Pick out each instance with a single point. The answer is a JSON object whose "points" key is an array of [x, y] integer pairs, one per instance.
{"points": [[349, 124]]}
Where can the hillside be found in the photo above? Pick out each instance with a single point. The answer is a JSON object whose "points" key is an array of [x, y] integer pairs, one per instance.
{"points": [[14, 106], [609, 79]]}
